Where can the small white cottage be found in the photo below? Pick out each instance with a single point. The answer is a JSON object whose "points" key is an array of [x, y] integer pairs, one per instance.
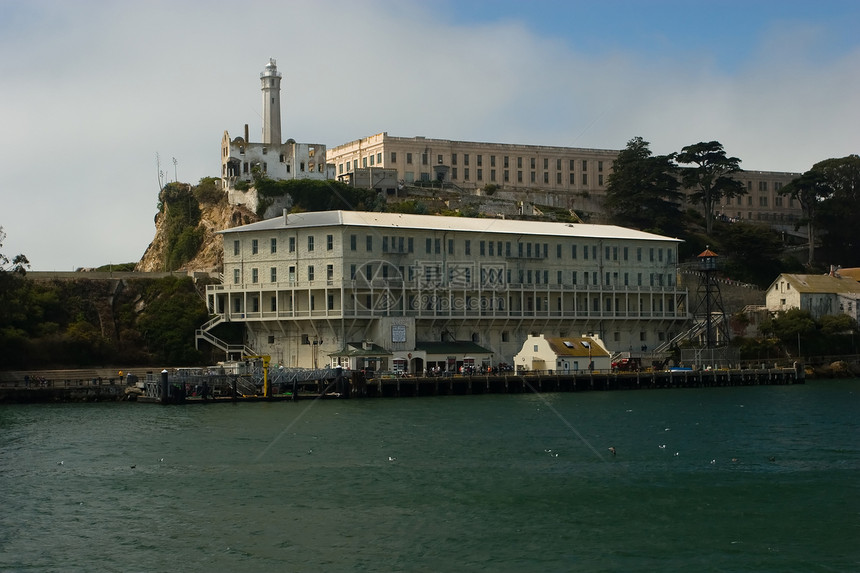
{"points": [[563, 354]]}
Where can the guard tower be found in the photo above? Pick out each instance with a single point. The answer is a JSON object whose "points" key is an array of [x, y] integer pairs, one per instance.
{"points": [[270, 84], [709, 309]]}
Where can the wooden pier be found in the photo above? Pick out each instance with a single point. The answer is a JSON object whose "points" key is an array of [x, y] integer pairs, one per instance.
{"points": [[537, 382], [331, 383]]}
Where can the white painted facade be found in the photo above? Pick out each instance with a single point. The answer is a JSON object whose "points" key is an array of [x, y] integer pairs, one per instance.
{"points": [[562, 355], [819, 294], [399, 280]]}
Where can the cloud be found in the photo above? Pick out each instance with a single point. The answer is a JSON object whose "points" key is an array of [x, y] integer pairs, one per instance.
{"points": [[96, 89]]}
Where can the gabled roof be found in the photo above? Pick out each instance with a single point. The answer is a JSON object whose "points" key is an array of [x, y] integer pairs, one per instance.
{"points": [[453, 348], [580, 346], [819, 284], [442, 223], [852, 273]]}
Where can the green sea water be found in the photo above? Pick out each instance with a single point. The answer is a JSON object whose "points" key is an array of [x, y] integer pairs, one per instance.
{"points": [[719, 479]]}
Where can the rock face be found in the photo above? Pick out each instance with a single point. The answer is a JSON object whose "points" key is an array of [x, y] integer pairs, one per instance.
{"points": [[210, 256]]}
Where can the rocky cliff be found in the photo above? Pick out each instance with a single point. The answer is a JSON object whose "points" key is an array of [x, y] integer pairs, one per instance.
{"points": [[210, 256]]}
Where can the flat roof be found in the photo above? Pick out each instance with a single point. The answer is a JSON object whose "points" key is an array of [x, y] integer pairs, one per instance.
{"points": [[444, 223]]}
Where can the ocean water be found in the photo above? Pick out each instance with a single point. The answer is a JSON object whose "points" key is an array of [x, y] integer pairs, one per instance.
{"points": [[719, 479]]}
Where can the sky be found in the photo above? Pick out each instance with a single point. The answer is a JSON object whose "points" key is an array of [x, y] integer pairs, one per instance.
{"points": [[95, 96]]}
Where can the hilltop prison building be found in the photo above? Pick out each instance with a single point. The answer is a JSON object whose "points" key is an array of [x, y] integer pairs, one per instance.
{"points": [[375, 290], [565, 177], [273, 159]]}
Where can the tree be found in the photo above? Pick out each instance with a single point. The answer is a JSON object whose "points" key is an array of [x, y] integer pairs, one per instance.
{"points": [[711, 176], [809, 190], [839, 214], [752, 251], [18, 264], [642, 190]]}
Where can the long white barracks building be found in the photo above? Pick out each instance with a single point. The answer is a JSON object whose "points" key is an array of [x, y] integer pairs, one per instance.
{"points": [[388, 291]]}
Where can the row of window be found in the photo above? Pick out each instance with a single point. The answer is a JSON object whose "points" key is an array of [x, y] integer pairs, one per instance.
{"points": [[395, 244], [539, 304], [273, 245], [376, 159], [433, 246], [506, 176], [778, 201], [462, 276]]}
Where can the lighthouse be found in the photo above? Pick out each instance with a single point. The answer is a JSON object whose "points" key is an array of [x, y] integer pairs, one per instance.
{"points": [[270, 84]]}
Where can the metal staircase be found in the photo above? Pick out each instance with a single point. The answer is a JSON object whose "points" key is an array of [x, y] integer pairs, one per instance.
{"points": [[232, 351]]}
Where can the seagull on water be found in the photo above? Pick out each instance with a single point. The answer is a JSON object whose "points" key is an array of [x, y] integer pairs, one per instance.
{"points": [[391, 459], [663, 447]]}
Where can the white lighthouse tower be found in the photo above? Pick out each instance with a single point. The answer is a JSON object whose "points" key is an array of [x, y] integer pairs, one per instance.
{"points": [[270, 84]]}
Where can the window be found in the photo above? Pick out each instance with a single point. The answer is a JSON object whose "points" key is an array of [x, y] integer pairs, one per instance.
{"points": [[255, 276], [368, 243], [274, 246], [235, 276], [469, 246], [310, 272], [310, 243], [329, 273], [353, 242], [329, 242], [409, 158], [465, 159], [274, 274], [235, 247], [585, 178], [292, 245], [393, 157], [255, 246]]}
